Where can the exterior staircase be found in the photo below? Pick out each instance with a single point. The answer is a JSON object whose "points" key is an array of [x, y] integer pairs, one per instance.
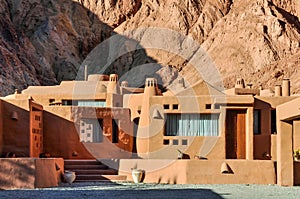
{"points": [[92, 170]]}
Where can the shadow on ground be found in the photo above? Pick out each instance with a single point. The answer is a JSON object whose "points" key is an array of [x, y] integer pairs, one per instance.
{"points": [[112, 190]]}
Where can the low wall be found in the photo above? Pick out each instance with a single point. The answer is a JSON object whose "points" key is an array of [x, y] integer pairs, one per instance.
{"points": [[199, 171], [30, 173]]}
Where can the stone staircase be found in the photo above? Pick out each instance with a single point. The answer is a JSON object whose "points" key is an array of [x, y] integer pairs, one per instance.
{"points": [[92, 170]]}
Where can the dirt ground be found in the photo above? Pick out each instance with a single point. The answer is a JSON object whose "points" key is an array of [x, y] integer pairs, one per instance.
{"points": [[130, 190]]}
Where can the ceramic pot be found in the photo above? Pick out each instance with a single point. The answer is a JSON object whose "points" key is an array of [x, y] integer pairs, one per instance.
{"points": [[137, 175], [69, 176]]}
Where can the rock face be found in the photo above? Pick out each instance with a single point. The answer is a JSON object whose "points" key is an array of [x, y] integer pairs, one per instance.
{"points": [[45, 42]]}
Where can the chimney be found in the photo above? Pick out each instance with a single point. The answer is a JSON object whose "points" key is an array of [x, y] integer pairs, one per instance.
{"points": [[124, 84], [286, 87], [112, 86], [277, 90], [150, 87], [180, 84], [85, 73], [239, 83]]}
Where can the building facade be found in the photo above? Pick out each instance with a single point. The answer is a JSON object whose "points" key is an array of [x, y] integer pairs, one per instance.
{"points": [[100, 118]]}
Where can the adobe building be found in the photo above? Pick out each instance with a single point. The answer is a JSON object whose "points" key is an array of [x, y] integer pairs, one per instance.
{"points": [[223, 134]]}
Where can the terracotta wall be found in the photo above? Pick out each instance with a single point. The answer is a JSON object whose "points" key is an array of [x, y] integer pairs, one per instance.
{"points": [[61, 138], [65, 141], [201, 171], [296, 173], [152, 143], [15, 132], [204, 146], [263, 141], [35, 129], [296, 135], [30, 173], [121, 149]]}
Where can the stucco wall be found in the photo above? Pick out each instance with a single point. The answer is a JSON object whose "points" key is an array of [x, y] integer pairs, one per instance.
{"points": [[29, 173], [202, 171], [15, 132], [61, 136], [262, 142], [296, 134], [296, 173]]}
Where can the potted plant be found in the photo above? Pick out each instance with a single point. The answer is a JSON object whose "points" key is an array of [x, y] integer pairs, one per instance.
{"points": [[137, 175], [297, 155], [69, 176]]}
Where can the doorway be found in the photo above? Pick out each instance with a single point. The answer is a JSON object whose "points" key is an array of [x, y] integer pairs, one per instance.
{"points": [[235, 134], [135, 129]]}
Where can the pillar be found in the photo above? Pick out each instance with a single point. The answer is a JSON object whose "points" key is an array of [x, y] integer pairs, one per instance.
{"points": [[239, 83], [277, 90], [249, 134], [285, 87], [113, 90], [285, 161], [143, 133]]}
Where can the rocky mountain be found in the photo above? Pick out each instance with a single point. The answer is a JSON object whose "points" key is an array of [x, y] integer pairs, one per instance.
{"points": [[43, 42]]}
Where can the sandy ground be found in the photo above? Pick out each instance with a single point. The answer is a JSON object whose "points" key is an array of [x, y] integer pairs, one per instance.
{"points": [[130, 190]]}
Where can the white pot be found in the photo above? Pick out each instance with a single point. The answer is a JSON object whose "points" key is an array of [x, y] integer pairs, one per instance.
{"points": [[69, 176], [137, 175]]}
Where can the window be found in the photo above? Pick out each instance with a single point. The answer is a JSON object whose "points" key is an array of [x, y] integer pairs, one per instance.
{"points": [[273, 122], [87, 103], [256, 122], [207, 106], [217, 106], [66, 102], [37, 118], [166, 106], [175, 142], [175, 106], [192, 125], [91, 130], [166, 142], [184, 142]]}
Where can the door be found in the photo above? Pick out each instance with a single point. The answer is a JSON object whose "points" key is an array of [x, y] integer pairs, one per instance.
{"points": [[235, 134]]}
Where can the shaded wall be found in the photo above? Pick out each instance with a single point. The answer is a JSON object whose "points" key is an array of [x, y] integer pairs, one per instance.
{"points": [[263, 142], [29, 173], [61, 138], [296, 135], [107, 148], [61, 133], [15, 132]]}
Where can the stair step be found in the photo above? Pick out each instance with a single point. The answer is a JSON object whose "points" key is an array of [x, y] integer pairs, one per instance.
{"points": [[85, 167], [82, 162], [85, 178], [96, 172], [92, 170]]}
